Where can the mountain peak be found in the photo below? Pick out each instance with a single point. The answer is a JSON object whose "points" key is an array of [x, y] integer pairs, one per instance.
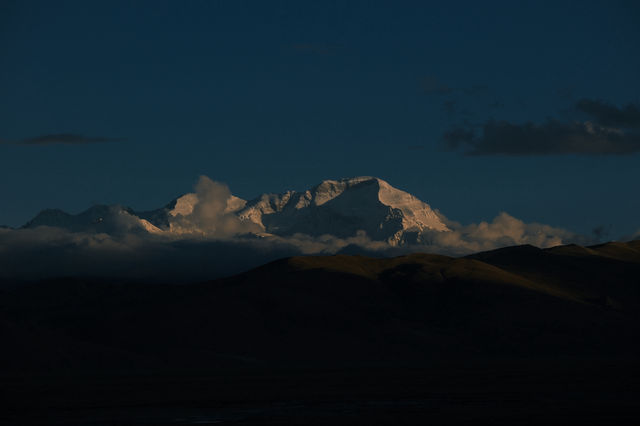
{"points": [[343, 208], [329, 189], [109, 219]]}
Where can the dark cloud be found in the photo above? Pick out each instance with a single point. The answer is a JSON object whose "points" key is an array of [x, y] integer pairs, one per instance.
{"points": [[66, 138], [549, 138], [610, 131], [608, 114]]}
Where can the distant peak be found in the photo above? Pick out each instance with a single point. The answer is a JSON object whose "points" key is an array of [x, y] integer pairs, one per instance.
{"points": [[346, 207]]}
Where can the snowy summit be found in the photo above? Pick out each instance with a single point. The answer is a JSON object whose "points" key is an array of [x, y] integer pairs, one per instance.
{"points": [[341, 208]]}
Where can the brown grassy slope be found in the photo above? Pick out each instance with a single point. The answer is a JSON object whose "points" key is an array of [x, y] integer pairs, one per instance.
{"points": [[606, 274], [519, 302]]}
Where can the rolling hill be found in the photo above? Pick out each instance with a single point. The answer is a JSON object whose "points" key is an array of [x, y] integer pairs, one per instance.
{"points": [[518, 302]]}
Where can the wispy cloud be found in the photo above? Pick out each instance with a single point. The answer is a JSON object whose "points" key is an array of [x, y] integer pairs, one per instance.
{"points": [[550, 138], [608, 114], [193, 256], [210, 215], [504, 230], [65, 138], [610, 131]]}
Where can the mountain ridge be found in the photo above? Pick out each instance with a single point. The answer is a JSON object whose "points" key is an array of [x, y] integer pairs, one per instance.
{"points": [[338, 310], [343, 208]]}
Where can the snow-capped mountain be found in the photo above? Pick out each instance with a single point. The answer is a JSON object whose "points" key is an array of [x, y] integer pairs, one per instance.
{"points": [[112, 219], [341, 208]]}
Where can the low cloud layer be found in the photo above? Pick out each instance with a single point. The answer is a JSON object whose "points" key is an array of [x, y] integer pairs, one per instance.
{"points": [[205, 239], [503, 231], [65, 138], [45, 252], [610, 131]]}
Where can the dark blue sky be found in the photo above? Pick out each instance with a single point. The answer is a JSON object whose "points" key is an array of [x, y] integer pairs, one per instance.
{"points": [[272, 96]]}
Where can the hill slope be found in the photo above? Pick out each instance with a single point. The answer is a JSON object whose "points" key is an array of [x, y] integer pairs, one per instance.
{"points": [[519, 302]]}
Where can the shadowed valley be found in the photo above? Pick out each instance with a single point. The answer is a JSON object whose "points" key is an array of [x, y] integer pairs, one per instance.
{"points": [[538, 310]]}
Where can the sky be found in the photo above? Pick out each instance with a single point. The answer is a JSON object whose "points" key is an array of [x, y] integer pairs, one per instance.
{"points": [[477, 108]]}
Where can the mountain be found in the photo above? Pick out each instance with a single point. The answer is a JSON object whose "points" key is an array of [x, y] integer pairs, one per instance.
{"points": [[113, 219], [514, 303], [341, 208], [519, 335]]}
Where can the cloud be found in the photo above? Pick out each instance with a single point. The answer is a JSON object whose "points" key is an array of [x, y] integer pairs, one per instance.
{"points": [[550, 138], [610, 131], [503, 231], [211, 216], [192, 257], [607, 114], [59, 253], [65, 138]]}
